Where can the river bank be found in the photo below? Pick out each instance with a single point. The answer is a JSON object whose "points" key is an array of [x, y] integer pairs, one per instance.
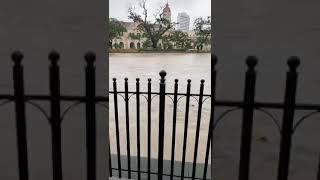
{"points": [[156, 51]]}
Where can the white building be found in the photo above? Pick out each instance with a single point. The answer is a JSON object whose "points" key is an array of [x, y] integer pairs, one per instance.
{"points": [[183, 22]]}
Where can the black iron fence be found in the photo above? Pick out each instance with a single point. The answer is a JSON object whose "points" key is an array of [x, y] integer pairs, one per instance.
{"points": [[248, 106], [56, 114], [149, 96]]}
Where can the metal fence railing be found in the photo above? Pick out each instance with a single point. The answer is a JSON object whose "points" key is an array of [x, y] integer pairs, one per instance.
{"points": [[248, 106]]}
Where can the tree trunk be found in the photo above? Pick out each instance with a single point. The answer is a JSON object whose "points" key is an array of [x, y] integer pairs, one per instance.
{"points": [[154, 43]]}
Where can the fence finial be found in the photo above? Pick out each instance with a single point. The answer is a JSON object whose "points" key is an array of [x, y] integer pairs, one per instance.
{"points": [[162, 74], [251, 61], [202, 81], [293, 63], [90, 57], [114, 79], [54, 56], [17, 57]]}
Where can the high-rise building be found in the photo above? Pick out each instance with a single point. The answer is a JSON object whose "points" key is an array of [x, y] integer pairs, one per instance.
{"points": [[183, 22], [167, 12]]}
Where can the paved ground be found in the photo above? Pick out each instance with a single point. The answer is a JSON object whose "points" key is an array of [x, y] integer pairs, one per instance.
{"points": [[154, 168]]}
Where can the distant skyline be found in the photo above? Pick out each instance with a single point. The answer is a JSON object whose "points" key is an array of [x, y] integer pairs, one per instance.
{"points": [[194, 8]]}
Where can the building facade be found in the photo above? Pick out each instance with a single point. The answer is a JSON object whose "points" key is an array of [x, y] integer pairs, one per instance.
{"points": [[133, 38], [183, 21]]}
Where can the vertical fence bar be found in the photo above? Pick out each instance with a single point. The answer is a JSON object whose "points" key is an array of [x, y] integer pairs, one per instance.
{"points": [[116, 116], [110, 163], [20, 115], [194, 165], [138, 126], [149, 126], [55, 120], [214, 60], [127, 125], [185, 129], [288, 118], [90, 116], [174, 122], [248, 109], [161, 122]]}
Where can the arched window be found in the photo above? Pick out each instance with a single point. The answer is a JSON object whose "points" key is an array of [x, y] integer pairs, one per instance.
{"points": [[138, 45], [110, 45], [121, 45], [132, 45], [160, 46]]}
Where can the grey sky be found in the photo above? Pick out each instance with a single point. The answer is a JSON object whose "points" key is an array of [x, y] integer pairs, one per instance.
{"points": [[194, 8]]}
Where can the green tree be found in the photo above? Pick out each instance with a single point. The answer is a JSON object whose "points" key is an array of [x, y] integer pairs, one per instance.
{"points": [[203, 32], [147, 44], [116, 29], [167, 44], [154, 31], [180, 39]]}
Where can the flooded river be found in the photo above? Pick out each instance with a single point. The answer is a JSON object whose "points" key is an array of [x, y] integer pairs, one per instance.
{"points": [[230, 80], [177, 66]]}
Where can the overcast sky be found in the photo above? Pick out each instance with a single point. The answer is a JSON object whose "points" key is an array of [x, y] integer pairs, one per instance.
{"points": [[194, 8]]}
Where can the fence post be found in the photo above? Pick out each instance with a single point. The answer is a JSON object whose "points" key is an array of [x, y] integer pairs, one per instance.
{"points": [[185, 131], [20, 115], [138, 126], [110, 163], [55, 120], [174, 126], [90, 116], [116, 119], [149, 127], [194, 166], [247, 121], [161, 122], [288, 117], [214, 60], [126, 89]]}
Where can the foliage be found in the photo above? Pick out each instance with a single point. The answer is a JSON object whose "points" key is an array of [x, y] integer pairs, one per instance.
{"points": [[167, 44], [180, 39], [116, 29], [203, 32], [147, 44], [154, 31], [118, 45]]}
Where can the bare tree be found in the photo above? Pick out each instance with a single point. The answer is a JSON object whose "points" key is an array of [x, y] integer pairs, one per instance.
{"points": [[153, 30]]}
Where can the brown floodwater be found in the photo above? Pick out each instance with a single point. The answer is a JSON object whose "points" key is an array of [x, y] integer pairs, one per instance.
{"points": [[144, 66]]}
